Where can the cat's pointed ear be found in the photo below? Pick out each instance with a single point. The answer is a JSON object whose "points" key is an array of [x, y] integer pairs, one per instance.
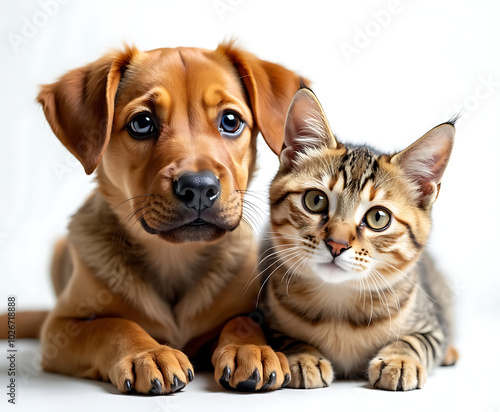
{"points": [[306, 127], [425, 161]]}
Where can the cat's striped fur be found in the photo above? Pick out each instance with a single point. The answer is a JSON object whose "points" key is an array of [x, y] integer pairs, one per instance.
{"points": [[341, 299]]}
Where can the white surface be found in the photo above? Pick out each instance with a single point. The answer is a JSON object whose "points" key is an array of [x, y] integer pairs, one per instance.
{"points": [[414, 72], [468, 386]]}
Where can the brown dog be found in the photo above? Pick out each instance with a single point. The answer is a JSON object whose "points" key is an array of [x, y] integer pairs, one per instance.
{"points": [[157, 255]]}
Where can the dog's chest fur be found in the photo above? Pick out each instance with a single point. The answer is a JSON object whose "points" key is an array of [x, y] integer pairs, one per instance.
{"points": [[167, 287]]}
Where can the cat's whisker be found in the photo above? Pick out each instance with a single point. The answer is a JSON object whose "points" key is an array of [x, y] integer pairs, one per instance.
{"points": [[266, 257], [262, 196], [252, 210], [371, 300], [391, 290], [283, 251], [250, 226], [362, 291], [289, 271], [284, 235], [398, 305], [294, 255], [301, 263], [252, 223], [249, 211], [406, 276], [283, 254], [363, 280], [300, 240], [278, 251], [319, 287], [256, 209], [379, 290], [358, 295], [386, 304]]}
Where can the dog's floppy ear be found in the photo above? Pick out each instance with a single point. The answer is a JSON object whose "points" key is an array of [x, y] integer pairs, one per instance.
{"points": [[270, 88], [80, 106]]}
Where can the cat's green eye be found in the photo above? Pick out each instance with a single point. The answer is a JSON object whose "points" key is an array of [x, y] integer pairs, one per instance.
{"points": [[378, 219], [315, 201]]}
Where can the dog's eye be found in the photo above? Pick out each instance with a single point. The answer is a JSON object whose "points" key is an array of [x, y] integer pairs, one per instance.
{"points": [[231, 124], [142, 126]]}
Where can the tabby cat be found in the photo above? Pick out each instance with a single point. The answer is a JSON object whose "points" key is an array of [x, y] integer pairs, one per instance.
{"points": [[348, 290]]}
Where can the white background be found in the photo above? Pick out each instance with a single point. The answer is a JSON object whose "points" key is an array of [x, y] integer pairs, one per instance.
{"points": [[385, 72]]}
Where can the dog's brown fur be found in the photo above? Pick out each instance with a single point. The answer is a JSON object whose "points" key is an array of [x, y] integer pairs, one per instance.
{"points": [[125, 294]]}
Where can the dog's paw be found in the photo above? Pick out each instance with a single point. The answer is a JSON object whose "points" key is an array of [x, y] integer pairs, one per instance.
{"points": [[250, 368], [153, 372], [396, 373], [309, 371]]}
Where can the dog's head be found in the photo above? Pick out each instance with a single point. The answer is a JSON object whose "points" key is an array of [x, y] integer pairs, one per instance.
{"points": [[172, 132]]}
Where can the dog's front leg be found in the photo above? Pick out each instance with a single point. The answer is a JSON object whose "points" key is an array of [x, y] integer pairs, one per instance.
{"points": [[243, 360], [114, 349]]}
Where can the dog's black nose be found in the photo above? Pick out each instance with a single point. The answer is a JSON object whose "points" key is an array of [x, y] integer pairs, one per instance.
{"points": [[197, 190]]}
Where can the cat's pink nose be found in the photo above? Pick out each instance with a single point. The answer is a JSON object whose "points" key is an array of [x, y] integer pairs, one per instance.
{"points": [[336, 248]]}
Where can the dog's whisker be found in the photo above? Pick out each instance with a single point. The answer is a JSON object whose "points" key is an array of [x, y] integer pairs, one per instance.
{"points": [[122, 225], [134, 197], [111, 210]]}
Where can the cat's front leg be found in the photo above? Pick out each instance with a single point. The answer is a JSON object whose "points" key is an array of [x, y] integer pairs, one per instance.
{"points": [[403, 364], [309, 369]]}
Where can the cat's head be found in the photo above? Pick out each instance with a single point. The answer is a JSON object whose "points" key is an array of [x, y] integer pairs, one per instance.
{"points": [[347, 213]]}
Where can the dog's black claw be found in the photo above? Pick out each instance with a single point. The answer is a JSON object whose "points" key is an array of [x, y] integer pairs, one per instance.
{"points": [[270, 382], [288, 378], [128, 386], [190, 375], [177, 384], [155, 387], [224, 380], [250, 384]]}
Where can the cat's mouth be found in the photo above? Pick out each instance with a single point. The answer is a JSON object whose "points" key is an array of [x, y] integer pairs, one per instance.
{"points": [[332, 272], [332, 265]]}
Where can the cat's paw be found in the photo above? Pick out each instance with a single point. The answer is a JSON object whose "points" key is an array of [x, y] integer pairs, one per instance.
{"points": [[250, 368], [451, 356], [396, 373], [309, 371]]}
